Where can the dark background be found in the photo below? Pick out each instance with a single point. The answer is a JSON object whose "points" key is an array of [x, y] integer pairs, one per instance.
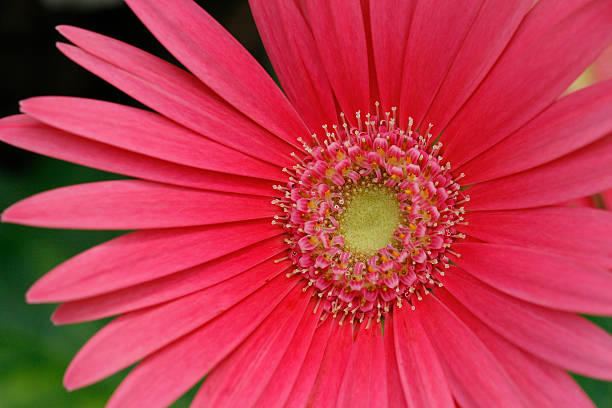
{"points": [[34, 353]]}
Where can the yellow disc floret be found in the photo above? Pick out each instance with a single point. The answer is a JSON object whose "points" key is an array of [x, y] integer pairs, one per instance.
{"points": [[371, 216]]}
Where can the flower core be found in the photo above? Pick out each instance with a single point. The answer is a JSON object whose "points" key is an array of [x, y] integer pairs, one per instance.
{"points": [[370, 214], [370, 217]]}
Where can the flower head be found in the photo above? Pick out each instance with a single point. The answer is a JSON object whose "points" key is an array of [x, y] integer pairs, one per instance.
{"points": [[370, 214], [329, 246]]}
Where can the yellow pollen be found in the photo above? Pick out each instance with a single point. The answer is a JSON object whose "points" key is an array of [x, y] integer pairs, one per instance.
{"points": [[370, 218]]}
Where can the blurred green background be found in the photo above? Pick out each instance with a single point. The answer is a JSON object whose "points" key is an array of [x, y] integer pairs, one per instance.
{"points": [[33, 352]]}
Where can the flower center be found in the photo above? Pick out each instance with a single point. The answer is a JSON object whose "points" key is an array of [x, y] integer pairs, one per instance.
{"points": [[370, 217], [370, 214]]}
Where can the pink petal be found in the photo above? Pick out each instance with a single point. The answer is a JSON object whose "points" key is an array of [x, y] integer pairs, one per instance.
{"points": [[602, 68], [143, 132], [475, 376], [569, 124], [134, 204], [289, 44], [143, 256], [486, 39], [168, 287], [582, 233], [582, 202], [240, 379], [27, 133], [548, 280], [541, 61], [436, 34], [421, 373], [305, 342], [165, 375], [172, 92], [395, 390], [579, 174], [343, 51], [300, 393], [365, 380], [326, 387], [226, 67], [390, 45], [561, 338], [607, 199], [542, 384], [135, 335]]}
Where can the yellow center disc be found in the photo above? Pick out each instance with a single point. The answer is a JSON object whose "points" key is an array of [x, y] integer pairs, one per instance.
{"points": [[370, 217]]}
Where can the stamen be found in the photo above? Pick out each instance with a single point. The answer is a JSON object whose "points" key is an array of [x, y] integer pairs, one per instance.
{"points": [[370, 216]]}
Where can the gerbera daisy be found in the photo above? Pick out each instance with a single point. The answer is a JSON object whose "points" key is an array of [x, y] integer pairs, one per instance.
{"points": [[390, 231]]}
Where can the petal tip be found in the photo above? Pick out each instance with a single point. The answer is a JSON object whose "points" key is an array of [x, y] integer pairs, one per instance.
{"points": [[8, 215], [17, 213], [55, 318], [62, 316], [37, 294], [31, 296], [35, 104], [23, 104], [69, 382], [65, 29]]}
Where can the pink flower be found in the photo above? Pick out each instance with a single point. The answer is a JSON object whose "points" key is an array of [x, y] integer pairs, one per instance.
{"points": [[600, 70], [269, 260]]}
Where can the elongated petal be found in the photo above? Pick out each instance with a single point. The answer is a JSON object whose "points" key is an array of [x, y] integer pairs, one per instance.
{"points": [[289, 44], [168, 287], [578, 232], [365, 380], [567, 125], [563, 339], [544, 386], [390, 45], [541, 61], [143, 256], [602, 67], [582, 202], [168, 373], [476, 378], [436, 34], [143, 132], [395, 390], [239, 379], [579, 174], [135, 335], [30, 134], [172, 92], [134, 204], [186, 30], [300, 393], [486, 39], [422, 376], [324, 392], [548, 280], [305, 342], [606, 196], [343, 51]]}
